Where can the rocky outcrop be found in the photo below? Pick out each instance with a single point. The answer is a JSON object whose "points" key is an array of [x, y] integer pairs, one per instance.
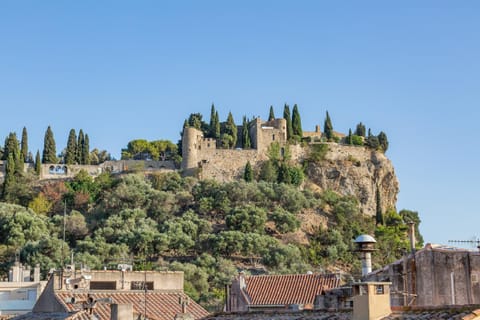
{"points": [[357, 171]]}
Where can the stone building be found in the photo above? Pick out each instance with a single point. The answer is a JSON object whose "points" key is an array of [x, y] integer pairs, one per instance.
{"points": [[433, 276], [19, 294], [104, 294], [202, 157]]}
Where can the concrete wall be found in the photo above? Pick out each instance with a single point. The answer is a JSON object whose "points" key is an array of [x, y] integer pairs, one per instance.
{"points": [[434, 276], [167, 280]]}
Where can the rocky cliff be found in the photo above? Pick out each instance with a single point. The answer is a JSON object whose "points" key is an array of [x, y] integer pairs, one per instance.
{"points": [[356, 171]]}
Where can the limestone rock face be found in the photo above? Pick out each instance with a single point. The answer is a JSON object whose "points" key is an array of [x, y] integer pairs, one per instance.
{"points": [[357, 171]]}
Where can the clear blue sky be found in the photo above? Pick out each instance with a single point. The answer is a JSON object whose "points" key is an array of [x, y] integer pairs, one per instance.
{"points": [[122, 70]]}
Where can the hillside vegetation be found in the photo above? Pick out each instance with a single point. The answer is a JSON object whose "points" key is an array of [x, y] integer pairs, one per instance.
{"points": [[284, 216], [208, 229]]}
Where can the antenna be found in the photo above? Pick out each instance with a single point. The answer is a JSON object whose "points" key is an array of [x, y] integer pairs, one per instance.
{"points": [[64, 224], [473, 242]]}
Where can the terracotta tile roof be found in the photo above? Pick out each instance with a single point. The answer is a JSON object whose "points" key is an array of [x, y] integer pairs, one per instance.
{"points": [[280, 315], [288, 289], [160, 305]]}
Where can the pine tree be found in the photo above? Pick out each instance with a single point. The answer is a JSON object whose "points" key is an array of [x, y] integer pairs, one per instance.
{"points": [[328, 128], [86, 150], [38, 163], [24, 145], [271, 115], [71, 152], [288, 118], [80, 143], [296, 123], [231, 130], [246, 143], [248, 174], [49, 148]]}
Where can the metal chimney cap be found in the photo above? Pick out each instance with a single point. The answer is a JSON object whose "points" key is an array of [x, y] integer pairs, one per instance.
{"points": [[365, 238]]}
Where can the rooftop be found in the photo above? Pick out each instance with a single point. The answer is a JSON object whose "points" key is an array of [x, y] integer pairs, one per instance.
{"points": [[288, 289]]}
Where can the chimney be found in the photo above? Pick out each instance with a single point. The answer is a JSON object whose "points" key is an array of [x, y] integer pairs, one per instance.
{"points": [[317, 128], [121, 311], [184, 315], [241, 280], [365, 246], [36, 273], [411, 236]]}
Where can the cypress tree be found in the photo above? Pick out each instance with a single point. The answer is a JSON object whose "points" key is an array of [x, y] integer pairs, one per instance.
{"points": [[383, 141], [231, 129], [24, 145], [71, 153], [246, 143], [379, 219], [217, 126], [49, 148], [211, 127], [86, 150], [296, 123], [38, 163], [80, 143], [248, 174], [12, 148], [349, 137], [271, 115], [288, 118], [328, 128], [360, 130], [9, 177]]}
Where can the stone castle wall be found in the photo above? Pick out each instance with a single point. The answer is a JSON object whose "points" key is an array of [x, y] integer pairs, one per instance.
{"points": [[226, 165], [64, 171], [202, 158]]}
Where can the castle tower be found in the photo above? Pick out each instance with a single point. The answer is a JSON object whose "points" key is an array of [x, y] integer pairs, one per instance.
{"points": [[191, 138]]}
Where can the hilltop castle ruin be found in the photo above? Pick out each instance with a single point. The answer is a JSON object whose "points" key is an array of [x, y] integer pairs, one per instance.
{"points": [[202, 157]]}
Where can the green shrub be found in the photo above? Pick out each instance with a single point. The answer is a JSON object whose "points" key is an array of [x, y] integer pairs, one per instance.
{"points": [[318, 152]]}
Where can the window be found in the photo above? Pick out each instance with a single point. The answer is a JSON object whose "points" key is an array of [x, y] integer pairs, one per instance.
{"points": [[103, 285], [273, 137], [139, 285], [379, 289]]}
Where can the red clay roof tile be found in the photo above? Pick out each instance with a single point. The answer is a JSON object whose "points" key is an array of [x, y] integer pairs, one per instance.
{"points": [[159, 305], [288, 289]]}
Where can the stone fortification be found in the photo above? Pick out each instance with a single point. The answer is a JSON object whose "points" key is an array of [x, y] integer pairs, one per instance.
{"points": [[64, 171], [347, 170], [202, 158]]}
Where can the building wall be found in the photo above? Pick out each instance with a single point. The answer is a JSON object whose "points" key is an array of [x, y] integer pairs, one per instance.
{"points": [[434, 277], [167, 280]]}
